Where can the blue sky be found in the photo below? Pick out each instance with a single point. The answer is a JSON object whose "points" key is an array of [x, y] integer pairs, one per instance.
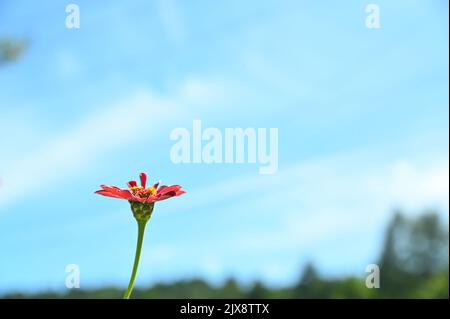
{"points": [[363, 128]]}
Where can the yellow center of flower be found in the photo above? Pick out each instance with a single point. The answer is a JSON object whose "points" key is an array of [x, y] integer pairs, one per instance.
{"points": [[143, 192]]}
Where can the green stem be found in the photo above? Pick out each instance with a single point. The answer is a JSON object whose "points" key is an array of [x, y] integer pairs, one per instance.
{"points": [[141, 229]]}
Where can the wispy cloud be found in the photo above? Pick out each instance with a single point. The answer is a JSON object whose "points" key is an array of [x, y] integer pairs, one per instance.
{"points": [[409, 183], [315, 204], [108, 128], [130, 120]]}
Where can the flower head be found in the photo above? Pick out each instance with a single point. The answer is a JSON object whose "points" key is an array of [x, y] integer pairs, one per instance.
{"points": [[142, 194], [142, 200]]}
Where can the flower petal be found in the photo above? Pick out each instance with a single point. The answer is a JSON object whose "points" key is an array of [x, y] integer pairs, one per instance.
{"points": [[166, 189], [169, 192], [108, 194], [143, 178], [151, 199], [135, 198], [156, 185], [132, 184], [118, 192]]}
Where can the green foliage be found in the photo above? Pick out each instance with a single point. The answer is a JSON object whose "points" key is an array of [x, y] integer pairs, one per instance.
{"points": [[11, 49], [413, 264], [415, 252]]}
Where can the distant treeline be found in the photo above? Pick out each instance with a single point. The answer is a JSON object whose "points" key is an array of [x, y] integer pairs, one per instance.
{"points": [[413, 264]]}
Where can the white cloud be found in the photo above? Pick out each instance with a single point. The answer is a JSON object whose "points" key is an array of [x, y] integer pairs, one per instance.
{"points": [[130, 120], [197, 90], [413, 187], [315, 206], [354, 177], [114, 126]]}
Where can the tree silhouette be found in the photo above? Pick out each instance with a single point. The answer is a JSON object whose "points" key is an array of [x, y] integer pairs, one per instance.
{"points": [[414, 250], [11, 49]]}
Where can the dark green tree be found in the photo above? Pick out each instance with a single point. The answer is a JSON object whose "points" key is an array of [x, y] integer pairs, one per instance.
{"points": [[414, 250], [11, 49]]}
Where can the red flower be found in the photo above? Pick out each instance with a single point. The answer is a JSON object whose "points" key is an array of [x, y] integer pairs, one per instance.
{"points": [[141, 194]]}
